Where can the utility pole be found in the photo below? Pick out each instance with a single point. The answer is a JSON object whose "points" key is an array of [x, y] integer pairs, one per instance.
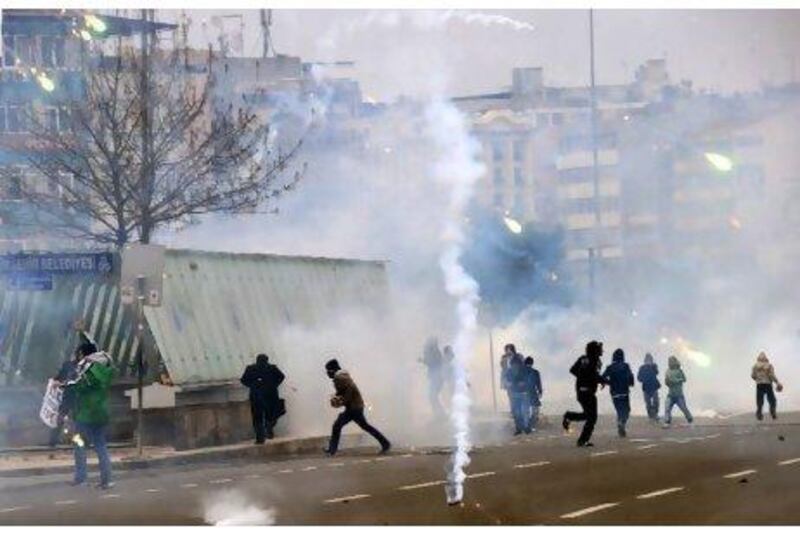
{"points": [[492, 370], [595, 176]]}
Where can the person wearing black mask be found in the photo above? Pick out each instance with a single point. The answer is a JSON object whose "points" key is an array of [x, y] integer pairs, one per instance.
{"points": [[263, 380], [587, 377]]}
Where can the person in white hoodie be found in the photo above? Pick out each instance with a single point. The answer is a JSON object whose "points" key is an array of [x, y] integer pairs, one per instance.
{"points": [[764, 375]]}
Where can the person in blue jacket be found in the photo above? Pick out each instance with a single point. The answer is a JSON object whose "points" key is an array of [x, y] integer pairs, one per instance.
{"points": [[648, 377], [619, 377], [514, 377], [533, 383]]}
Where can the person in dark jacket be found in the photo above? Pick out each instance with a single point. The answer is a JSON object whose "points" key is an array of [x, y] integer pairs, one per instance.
{"points": [[533, 384], [434, 363], [509, 351], [587, 377], [648, 377], [619, 377], [514, 377], [67, 372], [263, 380], [348, 396]]}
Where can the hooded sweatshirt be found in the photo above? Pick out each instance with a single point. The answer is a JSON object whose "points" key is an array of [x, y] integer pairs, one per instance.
{"points": [[674, 377], [648, 375], [618, 375], [763, 371], [347, 390], [95, 374]]}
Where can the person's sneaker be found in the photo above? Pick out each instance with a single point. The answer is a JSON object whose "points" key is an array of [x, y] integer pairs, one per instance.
{"points": [[105, 486], [585, 444], [76, 483], [774, 416], [565, 423], [759, 416], [385, 449], [517, 432], [327, 452], [621, 432]]}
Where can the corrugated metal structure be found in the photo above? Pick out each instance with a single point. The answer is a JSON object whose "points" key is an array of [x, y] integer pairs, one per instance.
{"points": [[219, 310]]}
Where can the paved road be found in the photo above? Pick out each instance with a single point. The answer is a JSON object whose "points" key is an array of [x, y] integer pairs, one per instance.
{"points": [[730, 474]]}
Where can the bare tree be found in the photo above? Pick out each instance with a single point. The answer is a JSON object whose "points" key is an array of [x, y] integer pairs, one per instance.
{"points": [[135, 158]]}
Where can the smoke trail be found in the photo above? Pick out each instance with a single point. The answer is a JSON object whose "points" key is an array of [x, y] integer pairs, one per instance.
{"points": [[458, 168]]}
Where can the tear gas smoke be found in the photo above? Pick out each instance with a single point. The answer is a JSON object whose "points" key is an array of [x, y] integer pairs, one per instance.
{"points": [[459, 169], [234, 508]]}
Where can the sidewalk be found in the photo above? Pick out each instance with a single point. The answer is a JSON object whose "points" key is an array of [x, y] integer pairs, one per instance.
{"points": [[32, 462]]}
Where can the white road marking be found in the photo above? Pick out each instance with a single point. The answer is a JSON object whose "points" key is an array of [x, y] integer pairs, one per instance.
{"points": [[286, 471], [739, 474], [309, 468], [347, 498], [714, 436], [381, 459], [335, 465], [407, 455], [153, 490], [789, 462], [646, 446], [220, 481], [189, 486], [657, 493], [253, 476], [364, 461], [641, 440], [600, 454], [109, 496], [421, 485], [12, 509], [67, 502], [532, 465], [481, 474], [590, 510]]}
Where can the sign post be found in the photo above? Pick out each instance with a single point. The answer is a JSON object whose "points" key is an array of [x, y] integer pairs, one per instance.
{"points": [[141, 283]]}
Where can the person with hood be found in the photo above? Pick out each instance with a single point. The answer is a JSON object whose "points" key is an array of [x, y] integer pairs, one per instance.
{"points": [[348, 396], [263, 380], [764, 375], [587, 377], [509, 351], [674, 380], [514, 377], [93, 376], [533, 384], [619, 377], [648, 377], [432, 359]]}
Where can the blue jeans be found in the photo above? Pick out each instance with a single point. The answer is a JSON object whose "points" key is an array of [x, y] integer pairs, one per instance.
{"points": [[533, 414], [680, 401], [520, 405], [651, 403], [622, 405], [94, 435]]}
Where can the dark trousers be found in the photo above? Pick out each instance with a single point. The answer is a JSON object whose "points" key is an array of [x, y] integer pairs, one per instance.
{"points": [[520, 409], [263, 424], [588, 402], [651, 403], [762, 390], [357, 416], [622, 405]]}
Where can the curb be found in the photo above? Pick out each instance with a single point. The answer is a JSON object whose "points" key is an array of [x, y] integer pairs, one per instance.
{"points": [[302, 446]]}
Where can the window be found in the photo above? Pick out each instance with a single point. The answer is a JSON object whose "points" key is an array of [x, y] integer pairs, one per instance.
{"points": [[519, 180], [65, 119], [51, 119], [519, 151], [2, 119], [558, 119], [53, 52], [499, 178], [15, 119], [497, 151], [8, 51]]}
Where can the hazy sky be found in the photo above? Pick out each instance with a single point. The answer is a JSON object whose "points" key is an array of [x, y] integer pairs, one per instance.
{"points": [[395, 51]]}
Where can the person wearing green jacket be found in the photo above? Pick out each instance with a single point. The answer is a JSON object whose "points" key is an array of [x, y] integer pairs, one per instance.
{"points": [[95, 374], [674, 380]]}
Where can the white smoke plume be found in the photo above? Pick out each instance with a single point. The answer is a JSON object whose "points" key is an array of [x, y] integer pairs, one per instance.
{"points": [[459, 169], [233, 508]]}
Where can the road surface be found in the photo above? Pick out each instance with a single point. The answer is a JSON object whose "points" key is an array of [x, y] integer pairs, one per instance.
{"points": [[730, 474]]}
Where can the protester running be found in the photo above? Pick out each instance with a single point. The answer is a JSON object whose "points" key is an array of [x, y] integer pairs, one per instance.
{"points": [[674, 380], [619, 377], [648, 377], [587, 377]]}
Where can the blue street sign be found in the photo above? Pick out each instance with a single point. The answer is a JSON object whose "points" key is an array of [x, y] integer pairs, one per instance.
{"points": [[53, 263], [29, 281]]}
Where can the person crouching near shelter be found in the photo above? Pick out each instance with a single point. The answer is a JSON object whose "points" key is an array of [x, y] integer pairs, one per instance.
{"points": [[764, 375], [348, 396], [263, 380], [94, 374]]}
